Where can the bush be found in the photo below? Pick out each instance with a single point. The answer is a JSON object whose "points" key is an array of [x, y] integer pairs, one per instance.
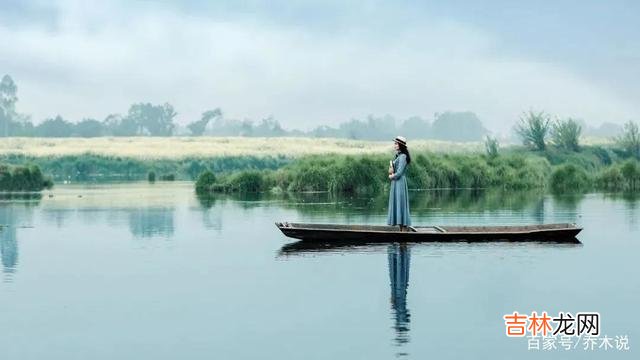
{"points": [[247, 181], [23, 178], [534, 129], [630, 139], [610, 178], [151, 176], [566, 134], [569, 177], [205, 181], [492, 147], [631, 173]]}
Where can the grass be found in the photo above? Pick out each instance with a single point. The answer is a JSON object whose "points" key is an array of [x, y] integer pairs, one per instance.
{"points": [[22, 178], [150, 148]]}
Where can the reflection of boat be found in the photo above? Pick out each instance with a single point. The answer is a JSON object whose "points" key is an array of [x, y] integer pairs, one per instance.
{"points": [[376, 233]]}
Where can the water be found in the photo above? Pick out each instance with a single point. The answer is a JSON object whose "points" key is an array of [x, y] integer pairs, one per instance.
{"points": [[139, 271]]}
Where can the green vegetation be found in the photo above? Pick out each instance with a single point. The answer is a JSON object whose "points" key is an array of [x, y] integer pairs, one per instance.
{"points": [[566, 134], [151, 176], [361, 174], [569, 178], [492, 147], [624, 176], [558, 169], [534, 128], [630, 139], [22, 178], [98, 167]]}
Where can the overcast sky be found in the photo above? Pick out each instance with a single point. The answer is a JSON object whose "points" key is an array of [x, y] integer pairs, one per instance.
{"points": [[323, 62]]}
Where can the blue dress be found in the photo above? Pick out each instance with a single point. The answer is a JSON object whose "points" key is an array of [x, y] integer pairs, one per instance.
{"points": [[399, 193]]}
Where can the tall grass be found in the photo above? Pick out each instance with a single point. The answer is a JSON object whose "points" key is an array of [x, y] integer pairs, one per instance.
{"points": [[363, 174], [23, 178], [91, 167]]}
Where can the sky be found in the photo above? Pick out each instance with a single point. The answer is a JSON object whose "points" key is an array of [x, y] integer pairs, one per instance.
{"points": [[308, 63]]}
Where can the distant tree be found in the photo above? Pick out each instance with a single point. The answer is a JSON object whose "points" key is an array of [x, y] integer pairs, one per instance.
{"points": [[565, 134], [89, 128], [629, 141], [606, 129], [246, 128], [154, 120], [116, 125], [8, 99], [534, 128], [269, 127], [324, 131], [415, 127], [198, 127], [56, 127], [492, 147], [458, 126]]}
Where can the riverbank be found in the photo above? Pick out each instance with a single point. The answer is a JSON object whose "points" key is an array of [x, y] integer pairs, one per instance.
{"points": [[592, 168], [308, 164]]}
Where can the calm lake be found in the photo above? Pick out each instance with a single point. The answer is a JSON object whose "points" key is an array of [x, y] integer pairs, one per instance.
{"points": [[150, 271]]}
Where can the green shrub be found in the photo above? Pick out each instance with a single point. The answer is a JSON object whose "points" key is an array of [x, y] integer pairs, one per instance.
{"points": [[205, 181], [566, 134], [570, 178], [631, 173], [23, 178]]}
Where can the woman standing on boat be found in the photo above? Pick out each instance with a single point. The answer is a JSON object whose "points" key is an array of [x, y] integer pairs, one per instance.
{"points": [[399, 191]]}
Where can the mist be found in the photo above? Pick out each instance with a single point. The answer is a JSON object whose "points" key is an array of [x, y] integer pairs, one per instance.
{"points": [[324, 63]]}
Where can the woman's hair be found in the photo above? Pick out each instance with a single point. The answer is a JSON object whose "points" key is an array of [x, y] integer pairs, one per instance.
{"points": [[404, 150]]}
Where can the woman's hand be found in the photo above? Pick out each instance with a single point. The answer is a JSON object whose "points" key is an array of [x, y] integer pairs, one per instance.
{"points": [[390, 176]]}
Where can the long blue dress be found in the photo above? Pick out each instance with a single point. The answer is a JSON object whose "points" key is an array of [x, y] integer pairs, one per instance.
{"points": [[399, 194]]}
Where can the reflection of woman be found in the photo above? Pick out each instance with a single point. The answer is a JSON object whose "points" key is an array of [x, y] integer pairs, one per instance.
{"points": [[399, 261], [399, 192]]}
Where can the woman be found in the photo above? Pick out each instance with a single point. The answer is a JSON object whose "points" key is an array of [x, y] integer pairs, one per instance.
{"points": [[399, 192]]}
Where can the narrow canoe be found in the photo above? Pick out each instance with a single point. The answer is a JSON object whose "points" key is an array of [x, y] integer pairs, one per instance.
{"points": [[383, 233]]}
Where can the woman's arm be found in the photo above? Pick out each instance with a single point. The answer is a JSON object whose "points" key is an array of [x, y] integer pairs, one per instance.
{"points": [[402, 166]]}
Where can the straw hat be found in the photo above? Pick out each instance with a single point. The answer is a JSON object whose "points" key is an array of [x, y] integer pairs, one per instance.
{"points": [[401, 140]]}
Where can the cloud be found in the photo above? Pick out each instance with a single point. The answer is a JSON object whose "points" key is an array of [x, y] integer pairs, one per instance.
{"points": [[92, 60]]}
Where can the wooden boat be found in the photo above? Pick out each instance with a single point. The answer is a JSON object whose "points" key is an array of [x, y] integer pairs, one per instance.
{"points": [[382, 233]]}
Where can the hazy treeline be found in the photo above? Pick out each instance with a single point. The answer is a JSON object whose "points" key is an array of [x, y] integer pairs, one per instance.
{"points": [[146, 119]]}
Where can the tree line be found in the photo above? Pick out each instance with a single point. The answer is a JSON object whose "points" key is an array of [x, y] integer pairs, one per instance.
{"points": [[146, 119]]}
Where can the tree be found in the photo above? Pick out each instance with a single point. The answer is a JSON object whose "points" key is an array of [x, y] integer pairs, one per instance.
{"points": [[458, 126], [154, 120], [116, 125], [268, 127], [8, 100], [534, 128], [198, 127], [56, 127], [566, 134], [416, 126], [630, 139], [89, 128]]}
